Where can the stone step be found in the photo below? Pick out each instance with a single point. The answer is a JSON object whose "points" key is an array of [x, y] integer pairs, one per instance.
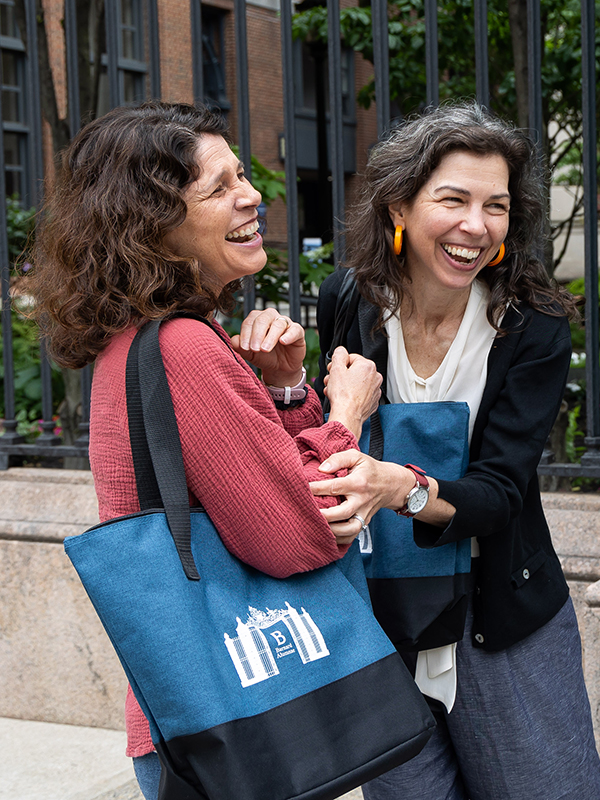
{"points": [[45, 761]]}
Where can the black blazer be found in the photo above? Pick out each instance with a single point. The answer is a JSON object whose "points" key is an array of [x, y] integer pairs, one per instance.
{"points": [[520, 584]]}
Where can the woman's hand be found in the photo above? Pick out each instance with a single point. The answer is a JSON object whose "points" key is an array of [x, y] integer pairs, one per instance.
{"points": [[368, 486], [353, 388], [274, 344]]}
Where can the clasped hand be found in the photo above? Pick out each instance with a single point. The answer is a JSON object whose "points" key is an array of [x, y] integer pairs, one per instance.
{"points": [[274, 344], [368, 486]]}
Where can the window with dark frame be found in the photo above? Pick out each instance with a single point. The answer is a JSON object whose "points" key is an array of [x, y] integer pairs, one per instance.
{"points": [[133, 68], [213, 58], [14, 115]]}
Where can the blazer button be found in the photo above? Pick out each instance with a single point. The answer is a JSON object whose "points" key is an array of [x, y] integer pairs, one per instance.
{"points": [[525, 573], [479, 638]]}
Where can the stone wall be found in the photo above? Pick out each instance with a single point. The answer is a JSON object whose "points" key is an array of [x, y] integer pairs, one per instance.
{"points": [[56, 663]]}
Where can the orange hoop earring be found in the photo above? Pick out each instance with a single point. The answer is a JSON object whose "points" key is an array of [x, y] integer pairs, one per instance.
{"points": [[398, 233], [499, 256]]}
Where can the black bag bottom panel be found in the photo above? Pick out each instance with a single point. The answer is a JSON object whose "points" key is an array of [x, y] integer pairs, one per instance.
{"points": [[305, 749]]}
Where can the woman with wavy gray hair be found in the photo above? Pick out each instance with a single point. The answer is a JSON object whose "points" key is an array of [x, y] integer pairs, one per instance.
{"points": [[456, 306]]}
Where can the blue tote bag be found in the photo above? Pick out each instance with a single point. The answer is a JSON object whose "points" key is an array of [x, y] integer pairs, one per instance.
{"points": [[419, 596], [255, 688]]}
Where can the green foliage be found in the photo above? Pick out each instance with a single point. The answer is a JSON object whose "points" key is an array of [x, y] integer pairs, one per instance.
{"points": [[27, 376], [19, 228], [272, 281], [561, 67], [25, 344], [574, 451], [577, 288], [270, 183]]}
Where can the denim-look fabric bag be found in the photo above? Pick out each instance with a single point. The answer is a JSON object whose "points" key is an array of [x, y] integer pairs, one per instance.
{"points": [[255, 688], [419, 596]]}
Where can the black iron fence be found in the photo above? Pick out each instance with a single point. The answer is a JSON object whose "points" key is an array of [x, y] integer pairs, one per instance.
{"points": [[119, 68]]}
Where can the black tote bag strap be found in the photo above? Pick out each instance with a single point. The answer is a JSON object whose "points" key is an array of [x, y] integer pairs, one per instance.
{"points": [[147, 486], [155, 442], [345, 311]]}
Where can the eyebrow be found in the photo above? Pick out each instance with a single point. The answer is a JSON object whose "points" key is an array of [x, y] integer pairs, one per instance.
{"points": [[221, 175], [466, 193]]}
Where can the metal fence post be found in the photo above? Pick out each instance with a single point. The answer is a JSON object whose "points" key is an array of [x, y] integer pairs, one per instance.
{"points": [[381, 63], [590, 188], [431, 52], [336, 127], [290, 159]]}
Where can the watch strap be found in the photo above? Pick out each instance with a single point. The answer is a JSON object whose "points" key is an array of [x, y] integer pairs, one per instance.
{"points": [[289, 394], [421, 482]]}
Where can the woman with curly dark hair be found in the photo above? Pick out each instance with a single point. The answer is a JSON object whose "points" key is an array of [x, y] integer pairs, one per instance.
{"points": [[151, 215], [456, 306]]}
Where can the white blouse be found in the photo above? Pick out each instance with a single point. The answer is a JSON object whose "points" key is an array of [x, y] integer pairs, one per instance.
{"points": [[460, 377]]}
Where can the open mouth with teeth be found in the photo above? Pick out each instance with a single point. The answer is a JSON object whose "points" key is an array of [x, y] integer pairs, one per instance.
{"points": [[461, 254], [245, 234]]}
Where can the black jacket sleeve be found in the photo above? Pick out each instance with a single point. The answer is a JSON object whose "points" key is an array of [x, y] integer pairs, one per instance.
{"points": [[513, 423]]}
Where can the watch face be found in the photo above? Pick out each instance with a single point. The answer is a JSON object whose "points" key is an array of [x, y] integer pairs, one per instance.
{"points": [[418, 500]]}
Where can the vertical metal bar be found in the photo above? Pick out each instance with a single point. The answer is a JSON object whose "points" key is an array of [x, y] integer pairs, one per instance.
{"points": [[482, 80], [290, 159], [534, 69], [592, 368], [74, 125], [34, 112], [336, 126], [37, 172], [113, 48], [431, 52], [47, 424], [197, 52], [72, 66], [379, 20], [243, 108], [85, 375], [10, 423], [154, 49]]}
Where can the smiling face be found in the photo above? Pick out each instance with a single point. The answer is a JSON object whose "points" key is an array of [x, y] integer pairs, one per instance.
{"points": [[220, 230], [457, 221]]}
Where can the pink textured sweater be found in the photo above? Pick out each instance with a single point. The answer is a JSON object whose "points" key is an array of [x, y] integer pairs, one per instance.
{"points": [[244, 461]]}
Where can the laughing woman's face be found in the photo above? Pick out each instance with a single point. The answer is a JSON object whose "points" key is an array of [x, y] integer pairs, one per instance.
{"points": [[220, 230], [458, 220]]}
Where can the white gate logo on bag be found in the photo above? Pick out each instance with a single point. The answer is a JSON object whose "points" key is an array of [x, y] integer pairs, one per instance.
{"points": [[255, 656]]}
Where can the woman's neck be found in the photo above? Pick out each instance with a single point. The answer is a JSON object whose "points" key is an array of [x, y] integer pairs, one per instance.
{"points": [[432, 306], [430, 321]]}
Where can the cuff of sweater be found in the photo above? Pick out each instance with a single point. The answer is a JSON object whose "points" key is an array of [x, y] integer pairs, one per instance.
{"points": [[330, 438]]}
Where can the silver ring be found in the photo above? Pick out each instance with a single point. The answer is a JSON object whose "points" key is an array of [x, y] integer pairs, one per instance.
{"points": [[363, 524]]}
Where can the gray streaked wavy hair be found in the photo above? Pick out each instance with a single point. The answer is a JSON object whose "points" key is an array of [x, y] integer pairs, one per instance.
{"points": [[398, 168]]}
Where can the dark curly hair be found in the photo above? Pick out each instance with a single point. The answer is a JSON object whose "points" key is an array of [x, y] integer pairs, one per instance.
{"points": [[400, 166], [99, 259]]}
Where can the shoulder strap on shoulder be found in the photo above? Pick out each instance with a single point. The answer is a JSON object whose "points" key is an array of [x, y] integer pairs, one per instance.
{"points": [[345, 311]]}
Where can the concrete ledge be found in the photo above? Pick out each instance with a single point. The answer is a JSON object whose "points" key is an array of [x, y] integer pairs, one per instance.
{"points": [[46, 505], [592, 595], [56, 662]]}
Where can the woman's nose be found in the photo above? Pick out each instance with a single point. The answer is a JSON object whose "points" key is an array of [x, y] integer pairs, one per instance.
{"points": [[474, 221], [249, 196]]}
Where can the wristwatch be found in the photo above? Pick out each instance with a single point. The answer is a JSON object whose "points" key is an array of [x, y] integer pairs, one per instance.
{"points": [[418, 496], [289, 396]]}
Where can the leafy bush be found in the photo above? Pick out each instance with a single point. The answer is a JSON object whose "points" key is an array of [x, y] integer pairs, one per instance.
{"points": [[25, 340], [577, 287]]}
